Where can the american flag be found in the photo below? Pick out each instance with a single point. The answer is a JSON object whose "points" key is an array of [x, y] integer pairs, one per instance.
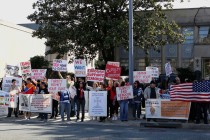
{"points": [[192, 92]]}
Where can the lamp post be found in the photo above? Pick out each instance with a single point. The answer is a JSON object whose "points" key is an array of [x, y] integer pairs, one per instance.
{"points": [[131, 41]]}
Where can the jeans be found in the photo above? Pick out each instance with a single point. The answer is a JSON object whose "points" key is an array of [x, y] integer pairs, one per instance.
{"points": [[124, 110], [67, 108], [54, 108], [136, 108], [81, 102]]}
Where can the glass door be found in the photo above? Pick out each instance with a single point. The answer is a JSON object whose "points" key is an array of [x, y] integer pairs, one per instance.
{"points": [[206, 68]]}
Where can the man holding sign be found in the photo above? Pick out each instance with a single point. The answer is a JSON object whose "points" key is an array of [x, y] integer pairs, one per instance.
{"points": [[14, 91]]}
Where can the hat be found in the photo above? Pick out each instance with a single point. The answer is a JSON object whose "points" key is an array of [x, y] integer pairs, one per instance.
{"points": [[152, 82]]}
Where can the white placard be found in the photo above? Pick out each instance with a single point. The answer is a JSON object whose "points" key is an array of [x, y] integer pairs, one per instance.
{"points": [[13, 99], [80, 67], [95, 75], [56, 85], [7, 82], [25, 69], [98, 103], [153, 108], [142, 76], [11, 70], [59, 65], [24, 102], [3, 110], [124, 93], [41, 103], [86, 100], [168, 69], [154, 71], [38, 74]]}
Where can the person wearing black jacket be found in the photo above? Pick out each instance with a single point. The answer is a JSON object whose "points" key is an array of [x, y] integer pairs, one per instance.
{"points": [[43, 90], [80, 99]]}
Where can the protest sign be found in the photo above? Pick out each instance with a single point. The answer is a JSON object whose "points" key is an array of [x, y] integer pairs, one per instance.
{"points": [[59, 65], [24, 102], [7, 82], [55, 85], [80, 67], [166, 109], [13, 99], [41, 103], [168, 69], [38, 74], [124, 93], [95, 75], [4, 98], [117, 64], [98, 103], [142, 76], [154, 71], [112, 72], [11, 70], [25, 69], [86, 100]]}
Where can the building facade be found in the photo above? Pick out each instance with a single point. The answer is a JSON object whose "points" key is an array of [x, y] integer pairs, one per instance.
{"points": [[193, 53]]}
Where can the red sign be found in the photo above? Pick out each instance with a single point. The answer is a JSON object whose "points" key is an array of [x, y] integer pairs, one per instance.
{"points": [[113, 72], [95, 75]]}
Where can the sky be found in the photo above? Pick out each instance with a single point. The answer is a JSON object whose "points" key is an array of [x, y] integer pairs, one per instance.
{"points": [[16, 11]]}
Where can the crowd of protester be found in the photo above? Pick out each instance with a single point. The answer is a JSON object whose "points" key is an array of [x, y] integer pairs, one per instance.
{"points": [[72, 100]]}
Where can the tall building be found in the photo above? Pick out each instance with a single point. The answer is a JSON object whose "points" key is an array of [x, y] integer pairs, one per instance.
{"points": [[193, 53]]}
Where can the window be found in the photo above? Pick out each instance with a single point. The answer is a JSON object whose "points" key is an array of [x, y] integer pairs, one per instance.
{"points": [[189, 35], [204, 35], [140, 65]]}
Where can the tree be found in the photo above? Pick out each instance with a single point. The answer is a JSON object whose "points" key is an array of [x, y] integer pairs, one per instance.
{"points": [[88, 27], [39, 62]]}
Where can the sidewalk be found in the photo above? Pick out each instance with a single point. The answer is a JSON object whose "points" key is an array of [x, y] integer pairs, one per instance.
{"points": [[87, 121]]}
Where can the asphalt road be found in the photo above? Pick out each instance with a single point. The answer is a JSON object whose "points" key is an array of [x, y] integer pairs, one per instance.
{"points": [[27, 130]]}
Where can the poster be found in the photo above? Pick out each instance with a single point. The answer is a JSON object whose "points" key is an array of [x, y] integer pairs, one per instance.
{"points": [[142, 76], [38, 74], [55, 85], [124, 93], [24, 102], [4, 98], [80, 67], [41, 103], [117, 64], [11, 70], [98, 103], [168, 69], [59, 65], [154, 71], [25, 69], [13, 99], [113, 72], [95, 75], [7, 82], [167, 109]]}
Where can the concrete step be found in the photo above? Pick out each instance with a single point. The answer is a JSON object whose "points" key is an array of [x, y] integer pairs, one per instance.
{"points": [[161, 124]]}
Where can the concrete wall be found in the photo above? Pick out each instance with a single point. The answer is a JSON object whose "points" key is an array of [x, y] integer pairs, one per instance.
{"points": [[17, 45]]}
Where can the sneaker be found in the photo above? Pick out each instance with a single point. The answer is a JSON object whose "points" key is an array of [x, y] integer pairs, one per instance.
{"points": [[115, 118]]}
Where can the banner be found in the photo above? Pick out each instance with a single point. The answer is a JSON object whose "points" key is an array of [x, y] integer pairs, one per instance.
{"points": [[124, 93], [142, 76], [38, 74], [167, 109], [113, 72], [24, 102], [11, 70], [59, 65], [41, 103], [117, 64], [25, 69], [168, 69], [7, 82], [95, 75], [8, 99], [56, 85], [98, 103], [80, 67], [154, 71]]}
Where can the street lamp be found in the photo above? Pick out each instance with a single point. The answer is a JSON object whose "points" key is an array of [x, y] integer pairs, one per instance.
{"points": [[131, 41]]}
